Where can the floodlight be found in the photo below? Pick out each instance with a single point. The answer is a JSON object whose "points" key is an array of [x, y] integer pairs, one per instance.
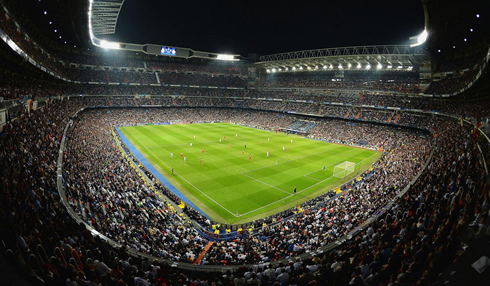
{"points": [[331, 66], [349, 65], [422, 38], [359, 66], [224, 57], [268, 70], [368, 67], [389, 67], [50, 22], [438, 51], [278, 69], [301, 68], [286, 69], [55, 30], [478, 15], [465, 39], [308, 68], [273, 70], [379, 66], [294, 68], [471, 30], [109, 45], [399, 67], [454, 47], [325, 67], [340, 66], [45, 12]]}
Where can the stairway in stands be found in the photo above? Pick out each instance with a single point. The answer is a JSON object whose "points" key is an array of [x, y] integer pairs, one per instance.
{"points": [[397, 118], [391, 117]]}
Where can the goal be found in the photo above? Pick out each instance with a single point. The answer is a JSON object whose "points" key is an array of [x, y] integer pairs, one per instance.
{"points": [[344, 169]]}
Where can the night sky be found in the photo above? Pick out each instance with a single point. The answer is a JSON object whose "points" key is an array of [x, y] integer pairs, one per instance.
{"points": [[266, 27]]}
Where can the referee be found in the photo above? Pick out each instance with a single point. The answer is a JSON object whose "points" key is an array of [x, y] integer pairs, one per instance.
{"points": [[295, 190]]}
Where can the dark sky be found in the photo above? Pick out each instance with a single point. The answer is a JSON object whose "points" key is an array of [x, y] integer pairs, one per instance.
{"points": [[267, 27]]}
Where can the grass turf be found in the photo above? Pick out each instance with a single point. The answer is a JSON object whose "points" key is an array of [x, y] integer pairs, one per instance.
{"points": [[230, 187]]}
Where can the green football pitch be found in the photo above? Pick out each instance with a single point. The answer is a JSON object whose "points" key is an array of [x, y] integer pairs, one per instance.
{"points": [[237, 182]]}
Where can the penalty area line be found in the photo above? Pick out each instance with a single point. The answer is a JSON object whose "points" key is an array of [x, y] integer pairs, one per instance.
{"points": [[266, 184]]}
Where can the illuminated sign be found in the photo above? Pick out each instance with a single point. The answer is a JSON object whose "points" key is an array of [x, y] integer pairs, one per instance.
{"points": [[168, 51]]}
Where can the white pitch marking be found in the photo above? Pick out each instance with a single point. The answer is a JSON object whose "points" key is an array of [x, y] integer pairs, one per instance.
{"points": [[266, 183]]}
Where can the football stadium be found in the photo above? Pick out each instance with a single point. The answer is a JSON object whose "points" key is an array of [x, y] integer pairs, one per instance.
{"points": [[244, 143]]}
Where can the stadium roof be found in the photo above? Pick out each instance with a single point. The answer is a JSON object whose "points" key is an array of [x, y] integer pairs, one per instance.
{"points": [[361, 57], [103, 15]]}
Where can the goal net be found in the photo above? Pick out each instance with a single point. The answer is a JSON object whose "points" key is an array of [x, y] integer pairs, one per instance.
{"points": [[344, 169]]}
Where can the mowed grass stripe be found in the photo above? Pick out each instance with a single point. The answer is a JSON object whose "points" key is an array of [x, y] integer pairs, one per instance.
{"points": [[220, 177]]}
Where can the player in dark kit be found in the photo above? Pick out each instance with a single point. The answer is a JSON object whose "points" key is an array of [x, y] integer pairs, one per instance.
{"points": [[295, 190]]}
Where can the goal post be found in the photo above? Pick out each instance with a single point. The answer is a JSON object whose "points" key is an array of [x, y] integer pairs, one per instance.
{"points": [[344, 169]]}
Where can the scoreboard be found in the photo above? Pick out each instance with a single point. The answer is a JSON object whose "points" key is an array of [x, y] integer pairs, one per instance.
{"points": [[168, 51]]}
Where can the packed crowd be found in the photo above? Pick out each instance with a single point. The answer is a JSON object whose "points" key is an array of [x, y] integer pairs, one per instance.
{"points": [[143, 77], [128, 60], [223, 68], [284, 101], [452, 83], [10, 27], [400, 82], [453, 74], [346, 112], [98, 175]]}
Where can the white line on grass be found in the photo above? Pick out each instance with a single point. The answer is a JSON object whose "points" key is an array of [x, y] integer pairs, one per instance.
{"points": [[313, 172], [283, 198], [312, 177], [318, 171], [266, 184], [182, 176], [183, 144]]}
